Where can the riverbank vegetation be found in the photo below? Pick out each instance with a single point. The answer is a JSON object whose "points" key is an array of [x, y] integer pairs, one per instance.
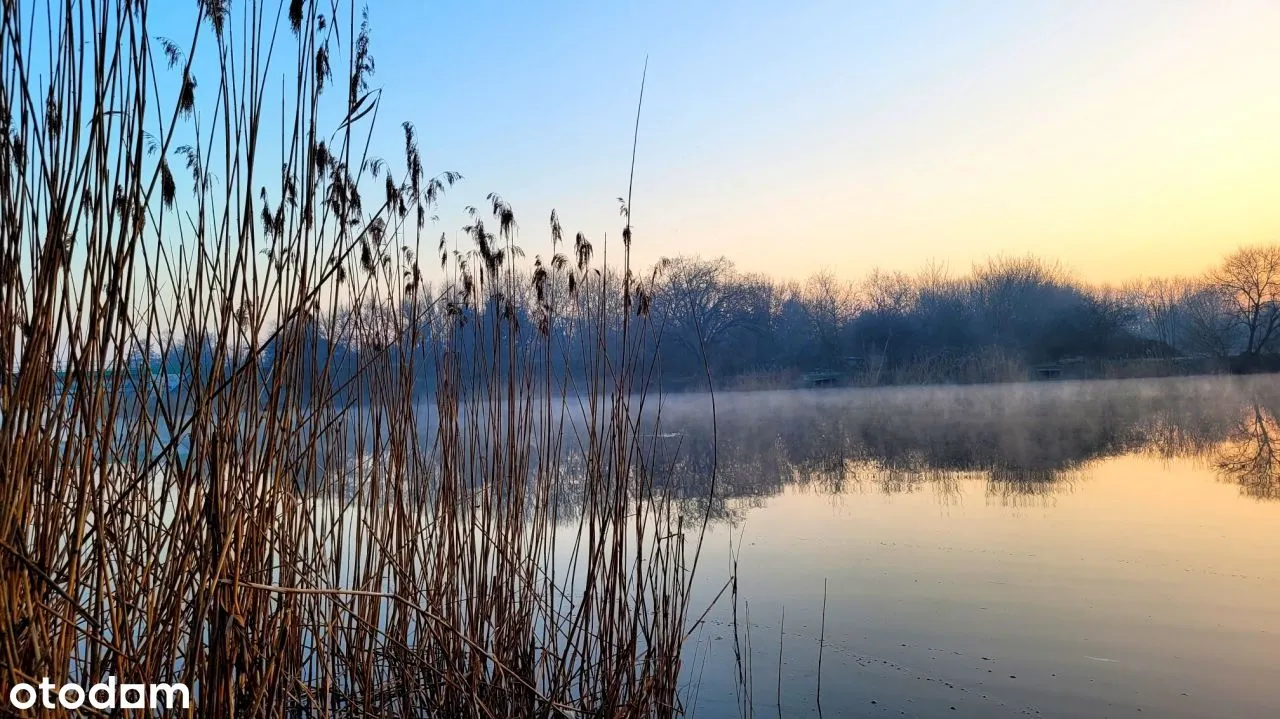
{"points": [[1006, 319]]}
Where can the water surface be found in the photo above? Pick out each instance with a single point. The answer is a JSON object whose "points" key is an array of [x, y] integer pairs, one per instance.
{"points": [[1099, 549]]}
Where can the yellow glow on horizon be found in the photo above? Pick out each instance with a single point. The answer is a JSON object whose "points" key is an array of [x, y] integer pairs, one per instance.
{"points": [[1160, 166]]}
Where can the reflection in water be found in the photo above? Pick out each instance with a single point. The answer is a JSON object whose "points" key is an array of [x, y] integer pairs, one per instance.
{"points": [[1027, 442], [1248, 456], [1057, 549]]}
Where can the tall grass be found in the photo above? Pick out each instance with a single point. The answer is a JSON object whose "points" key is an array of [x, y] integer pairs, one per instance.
{"points": [[283, 542]]}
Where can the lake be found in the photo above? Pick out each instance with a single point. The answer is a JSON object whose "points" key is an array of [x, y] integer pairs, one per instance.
{"points": [[1092, 549]]}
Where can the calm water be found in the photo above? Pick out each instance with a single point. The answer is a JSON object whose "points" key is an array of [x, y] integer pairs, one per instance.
{"points": [[1104, 549]]}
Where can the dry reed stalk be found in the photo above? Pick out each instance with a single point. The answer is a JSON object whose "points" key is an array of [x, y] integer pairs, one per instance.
{"points": [[292, 530]]}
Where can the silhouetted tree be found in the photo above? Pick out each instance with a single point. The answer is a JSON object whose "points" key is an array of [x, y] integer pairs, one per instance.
{"points": [[1249, 281]]}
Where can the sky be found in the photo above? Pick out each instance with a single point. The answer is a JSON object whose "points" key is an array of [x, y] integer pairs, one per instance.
{"points": [[1123, 138]]}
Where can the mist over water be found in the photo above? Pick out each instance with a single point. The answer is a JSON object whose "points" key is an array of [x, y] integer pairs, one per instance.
{"points": [[1073, 549], [1032, 439]]}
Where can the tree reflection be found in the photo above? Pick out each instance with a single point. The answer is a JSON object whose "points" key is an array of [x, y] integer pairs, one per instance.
{"points": [[1248, 456], [1027, 443]]}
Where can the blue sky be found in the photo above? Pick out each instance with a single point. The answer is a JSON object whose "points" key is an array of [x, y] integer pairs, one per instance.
{"points": [[747, 105], [1124, 138]]}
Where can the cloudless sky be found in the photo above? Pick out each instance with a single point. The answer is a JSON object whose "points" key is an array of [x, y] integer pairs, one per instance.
{"points": [[1124, 138]]}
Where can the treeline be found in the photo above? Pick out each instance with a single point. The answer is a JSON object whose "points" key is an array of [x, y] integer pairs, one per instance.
{"points": [[1000, 321], [1006, 319]]}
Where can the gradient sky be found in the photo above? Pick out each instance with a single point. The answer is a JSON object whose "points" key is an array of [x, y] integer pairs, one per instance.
{"points": [[1123, 138]]}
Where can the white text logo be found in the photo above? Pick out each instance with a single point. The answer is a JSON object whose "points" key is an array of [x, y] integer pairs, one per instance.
{"points": [[103, 695]]}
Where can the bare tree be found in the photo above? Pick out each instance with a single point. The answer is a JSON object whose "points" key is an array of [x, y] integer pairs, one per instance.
{"points": [[1206, 323], [831, 303], [1015, 295], [888, 292], [702, 300], [1249, 281], [1159, 304]]}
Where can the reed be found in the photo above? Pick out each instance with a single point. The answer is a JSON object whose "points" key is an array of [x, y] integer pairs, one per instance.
{"points": [[290, 529]]}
